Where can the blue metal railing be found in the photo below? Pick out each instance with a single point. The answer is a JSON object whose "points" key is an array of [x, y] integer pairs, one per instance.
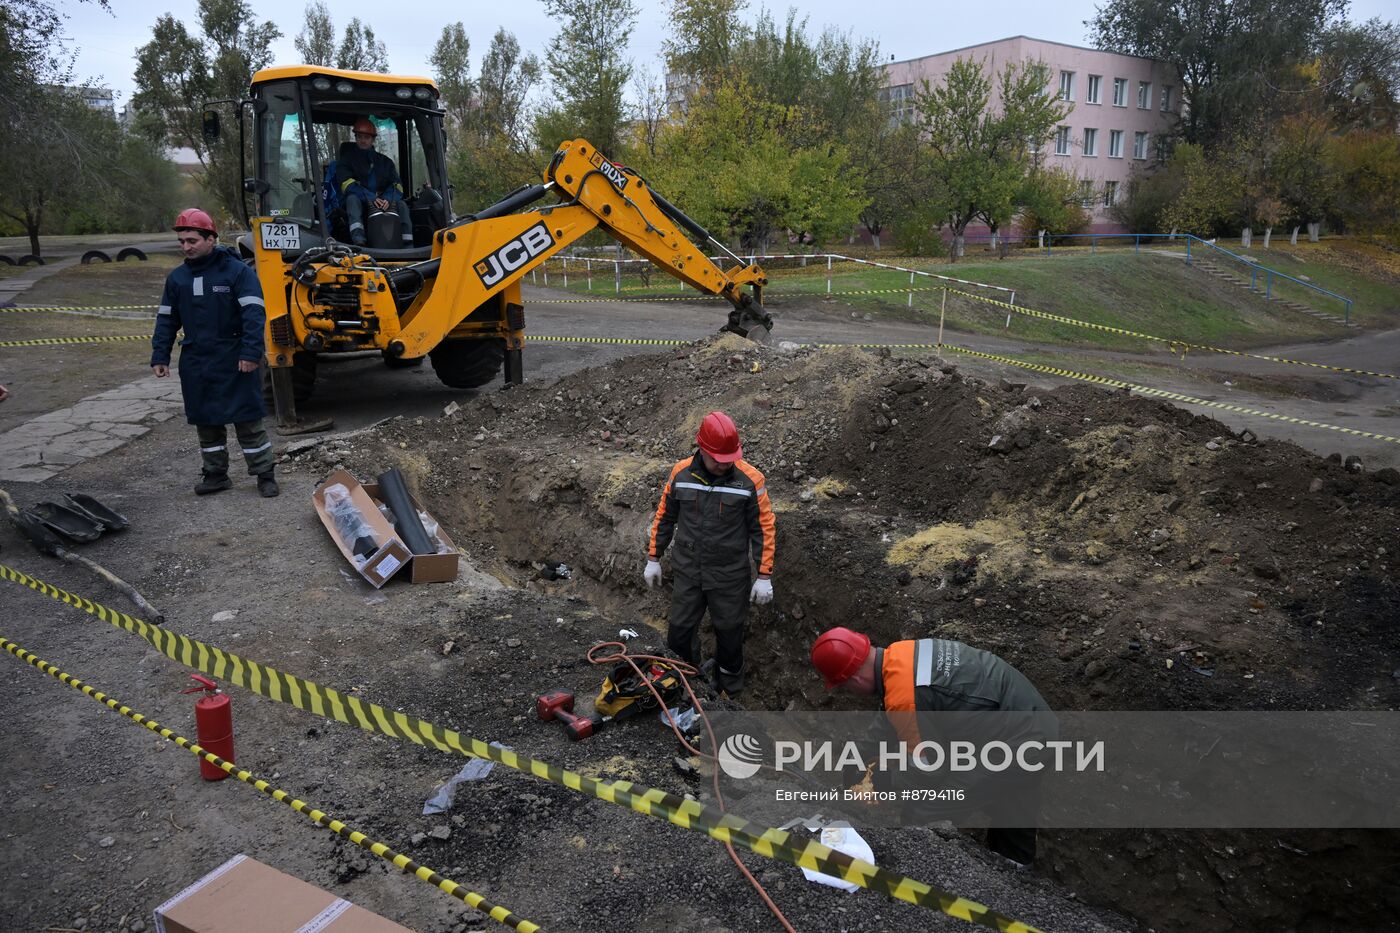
{"points": [[1138, 238]]}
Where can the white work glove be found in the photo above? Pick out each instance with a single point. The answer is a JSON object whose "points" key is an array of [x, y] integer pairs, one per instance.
{"points": [[653, 573], [762, 592]]}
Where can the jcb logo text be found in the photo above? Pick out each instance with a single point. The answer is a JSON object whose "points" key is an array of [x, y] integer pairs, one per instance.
{"points": [[513, 255]]}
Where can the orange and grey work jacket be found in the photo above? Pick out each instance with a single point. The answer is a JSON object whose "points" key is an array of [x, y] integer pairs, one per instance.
{"points": [[718, 524], [937, 675]]}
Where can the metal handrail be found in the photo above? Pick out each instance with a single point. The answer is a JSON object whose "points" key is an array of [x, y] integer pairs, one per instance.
{"points": [[1269, 274]]}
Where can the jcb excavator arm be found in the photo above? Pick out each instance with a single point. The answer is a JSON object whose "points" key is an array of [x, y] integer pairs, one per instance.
{"points": [[479, 260]]}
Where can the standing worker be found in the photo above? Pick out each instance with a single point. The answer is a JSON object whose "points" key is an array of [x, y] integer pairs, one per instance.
{"points": [[217, 301], [715, 507], [934, 675]]}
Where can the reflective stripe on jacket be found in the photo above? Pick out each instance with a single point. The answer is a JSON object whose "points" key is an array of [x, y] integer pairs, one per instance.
{"points": [[718, 524], [367, 174]]}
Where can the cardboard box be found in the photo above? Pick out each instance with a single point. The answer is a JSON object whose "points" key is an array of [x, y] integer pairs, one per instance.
{"points": [[243, 894], [391, 555]]}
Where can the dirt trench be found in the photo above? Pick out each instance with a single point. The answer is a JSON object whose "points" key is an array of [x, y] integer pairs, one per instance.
{"points": [[1114, 549]]}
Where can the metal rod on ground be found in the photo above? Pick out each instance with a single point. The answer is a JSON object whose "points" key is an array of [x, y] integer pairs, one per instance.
{"points": [[942, 310], [47, 543]]}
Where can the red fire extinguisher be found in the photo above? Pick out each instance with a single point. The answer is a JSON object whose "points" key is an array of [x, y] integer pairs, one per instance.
{"points": [[213, 717]]}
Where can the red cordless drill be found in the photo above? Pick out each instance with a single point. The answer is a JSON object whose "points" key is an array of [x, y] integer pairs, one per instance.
{"points": [[559, 704]]}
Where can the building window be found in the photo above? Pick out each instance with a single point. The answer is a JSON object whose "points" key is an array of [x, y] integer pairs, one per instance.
{"points": [[1144, 95], [1091, 142], [1086, 193], [1139, 145], [1110, 193], [1120, 92], [1115, 144], [898, 102], [1166, 99], [1062, 141], [1092, 97], [1066, 85]]}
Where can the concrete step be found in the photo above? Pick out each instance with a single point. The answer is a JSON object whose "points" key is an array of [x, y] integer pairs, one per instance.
{"points": [[1235, 278]]}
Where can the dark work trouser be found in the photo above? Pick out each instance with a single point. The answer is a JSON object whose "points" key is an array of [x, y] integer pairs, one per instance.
{"points": [[356, 209], [213, 447], [729, 610]]}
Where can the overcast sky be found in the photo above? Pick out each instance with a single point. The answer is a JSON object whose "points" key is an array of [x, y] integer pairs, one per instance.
{"points": [[106, 43]]}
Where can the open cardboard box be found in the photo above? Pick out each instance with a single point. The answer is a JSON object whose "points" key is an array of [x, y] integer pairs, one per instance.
{"points": [[392, 554], [243, 894]]}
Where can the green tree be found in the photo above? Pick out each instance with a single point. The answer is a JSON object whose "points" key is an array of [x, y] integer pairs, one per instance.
{"points": [[492, 153], [360, 51], [587, 65], [892, 179], [703, 39], [451, 63], [733, 166], [1229, 54], [1358, 72], [1305, 177], [1202, 201], [177, 72], [1051, 199], [1367, 169], [978, 154], [316, 41]]}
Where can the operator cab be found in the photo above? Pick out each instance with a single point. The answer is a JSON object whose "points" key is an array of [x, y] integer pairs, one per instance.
{"points": [[303, 116]]}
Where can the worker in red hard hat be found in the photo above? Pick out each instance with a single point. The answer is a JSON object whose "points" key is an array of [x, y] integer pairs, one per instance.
{"points": [[714, 509], [368, 183], [935, 675], [215, 298]]}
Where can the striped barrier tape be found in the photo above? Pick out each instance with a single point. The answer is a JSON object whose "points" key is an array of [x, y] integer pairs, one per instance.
{"points": [[63, 341], [1164, 393], [81, 308], [645, 341], [1173, 343], [329, 703], [317, 816]]}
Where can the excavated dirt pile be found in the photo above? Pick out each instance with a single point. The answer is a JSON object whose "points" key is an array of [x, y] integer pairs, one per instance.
{"points": [[1122, 552]]}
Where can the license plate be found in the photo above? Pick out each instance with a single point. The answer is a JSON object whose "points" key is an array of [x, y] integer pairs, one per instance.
{"points": [[281, 236]]}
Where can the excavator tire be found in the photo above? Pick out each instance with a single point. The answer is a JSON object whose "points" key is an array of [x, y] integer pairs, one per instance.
{"points": [[468, 364], [401, 362], [303, 380]]}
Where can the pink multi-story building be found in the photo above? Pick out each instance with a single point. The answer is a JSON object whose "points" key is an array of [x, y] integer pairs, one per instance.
{"points": [[1120, 107]]}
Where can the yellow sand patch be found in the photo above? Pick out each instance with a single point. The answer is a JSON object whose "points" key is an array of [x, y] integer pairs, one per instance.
{"points": [[625, 471], [829, 488], [618, 766], [929, 552]]}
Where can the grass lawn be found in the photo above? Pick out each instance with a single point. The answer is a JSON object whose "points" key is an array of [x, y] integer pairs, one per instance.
{"points": [[113, 283]]}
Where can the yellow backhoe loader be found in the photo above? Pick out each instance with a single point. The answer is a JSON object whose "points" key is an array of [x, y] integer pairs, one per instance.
{"points": [[454, 295]]}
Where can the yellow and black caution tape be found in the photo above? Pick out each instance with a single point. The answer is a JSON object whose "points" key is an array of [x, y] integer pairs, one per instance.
{"points": [[1173, 343], [689, 814], [60, 341], [1164, 393], [574, 301], [646, 341], [319, 817], [150, 308]]}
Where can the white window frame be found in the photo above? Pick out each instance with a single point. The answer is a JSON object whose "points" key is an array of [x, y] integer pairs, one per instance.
{"points": [[1062, 141], [1140, 145], [1110, 193], [1166, 98], [1144, 95], [1087, 197], [1093, 94], [1067, 85], [1091, 143], [1115, 144], [1120, 85]]}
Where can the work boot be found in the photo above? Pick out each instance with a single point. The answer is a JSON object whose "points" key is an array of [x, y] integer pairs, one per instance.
{"points": [[267, 486], [213, 482]]}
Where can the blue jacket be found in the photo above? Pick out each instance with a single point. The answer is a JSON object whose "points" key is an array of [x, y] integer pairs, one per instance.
{"points": [[367, 174], [218, 303]]}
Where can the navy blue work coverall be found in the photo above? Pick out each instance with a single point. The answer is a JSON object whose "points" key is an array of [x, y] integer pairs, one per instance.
{"points": [[217, 301]]}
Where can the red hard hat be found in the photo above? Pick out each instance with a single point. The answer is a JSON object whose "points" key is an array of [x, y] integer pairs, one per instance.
{"points": [[838, 653], [363, 125], [719, 438], [192, 218]]}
